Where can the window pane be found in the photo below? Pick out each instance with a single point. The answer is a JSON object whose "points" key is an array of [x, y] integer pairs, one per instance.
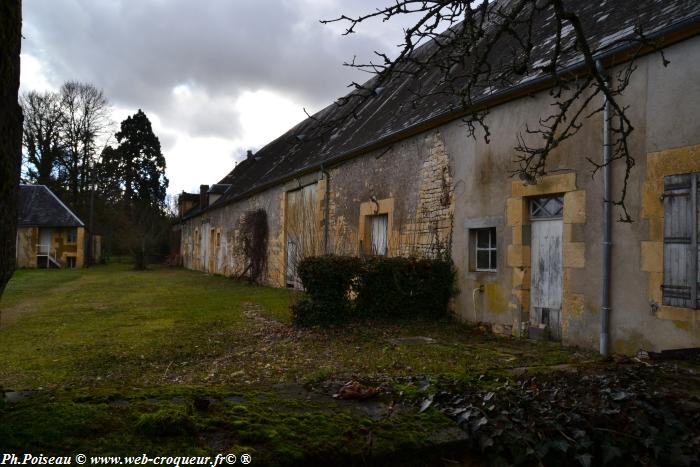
{"points": [[543, 208], [493, 259], [482, 259], [482, 238]]}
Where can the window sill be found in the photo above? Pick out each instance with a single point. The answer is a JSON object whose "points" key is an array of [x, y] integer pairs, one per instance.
{"points": [[482, 276]]}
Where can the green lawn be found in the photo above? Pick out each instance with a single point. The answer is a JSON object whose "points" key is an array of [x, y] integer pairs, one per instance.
{"points": [[117, 357]]}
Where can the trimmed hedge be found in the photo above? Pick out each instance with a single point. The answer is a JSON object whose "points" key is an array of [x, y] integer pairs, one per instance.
{"points": [[328, 281], [405, 287], [382, 287]]}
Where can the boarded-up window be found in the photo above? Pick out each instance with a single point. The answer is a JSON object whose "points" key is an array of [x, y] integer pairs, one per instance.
{"points": [[681, 277], [483, 247], [378, 234]]}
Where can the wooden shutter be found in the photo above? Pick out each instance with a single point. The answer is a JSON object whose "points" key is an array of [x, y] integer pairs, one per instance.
{"points": [[680, 241]]}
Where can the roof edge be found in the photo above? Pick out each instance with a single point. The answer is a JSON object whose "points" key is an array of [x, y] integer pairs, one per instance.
{"points": [[683, 30], [82, 224]]}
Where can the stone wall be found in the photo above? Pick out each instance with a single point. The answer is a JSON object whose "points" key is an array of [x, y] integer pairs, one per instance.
{"points": [[436, 186], [420, 211], [410, 182], [224, 224]]}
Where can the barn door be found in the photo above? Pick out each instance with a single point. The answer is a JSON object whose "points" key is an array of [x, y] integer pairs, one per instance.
{"points": [[302, 233], [204, 247], [547, 264], [292, 259]]}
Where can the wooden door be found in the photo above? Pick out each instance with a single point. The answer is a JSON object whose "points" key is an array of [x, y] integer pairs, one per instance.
{"points": [[547, 273], [204, 247], [302, 230]]}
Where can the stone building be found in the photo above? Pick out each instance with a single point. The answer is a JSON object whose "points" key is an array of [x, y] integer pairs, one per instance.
{"points": [[404, 177], [49, 234]]}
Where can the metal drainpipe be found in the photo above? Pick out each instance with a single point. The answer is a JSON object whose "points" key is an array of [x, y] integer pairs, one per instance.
{"points": [[326, 208], [607, 237]]}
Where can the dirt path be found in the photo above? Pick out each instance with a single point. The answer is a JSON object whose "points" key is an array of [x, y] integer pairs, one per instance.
{"points": [[10, 314]]}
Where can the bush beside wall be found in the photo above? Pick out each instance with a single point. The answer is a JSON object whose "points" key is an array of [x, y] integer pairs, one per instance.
{"points": [[328, 281], [340, 288], [405, 287]]}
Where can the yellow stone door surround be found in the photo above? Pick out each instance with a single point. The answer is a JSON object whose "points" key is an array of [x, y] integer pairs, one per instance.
{"points": [[518, 255]]}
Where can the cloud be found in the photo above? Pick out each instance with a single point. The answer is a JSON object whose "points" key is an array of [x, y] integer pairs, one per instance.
{"points": [[224, 74]]}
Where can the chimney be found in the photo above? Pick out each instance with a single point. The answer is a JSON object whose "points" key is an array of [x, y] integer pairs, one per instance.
{"points": [[249, 155], [203, 196]]}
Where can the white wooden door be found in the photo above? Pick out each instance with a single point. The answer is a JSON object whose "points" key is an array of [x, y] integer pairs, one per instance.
{"points": [[547, 274]]}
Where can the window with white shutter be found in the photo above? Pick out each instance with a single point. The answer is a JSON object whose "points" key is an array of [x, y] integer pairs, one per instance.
{"points": [[681, 272]]}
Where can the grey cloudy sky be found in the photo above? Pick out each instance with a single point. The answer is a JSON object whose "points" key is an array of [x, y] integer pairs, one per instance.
{"points": [[216, 77]]}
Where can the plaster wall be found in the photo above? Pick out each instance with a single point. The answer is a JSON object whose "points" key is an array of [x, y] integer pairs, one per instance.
{"points": [[664, 118], [436, 186]]}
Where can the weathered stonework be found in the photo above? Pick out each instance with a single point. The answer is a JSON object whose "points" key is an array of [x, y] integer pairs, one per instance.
{"points": [[419, 214], [226, 257], [442, 174]]}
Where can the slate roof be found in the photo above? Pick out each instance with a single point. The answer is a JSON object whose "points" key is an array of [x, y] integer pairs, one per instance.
{"points": [[395, 111], [40, 207], [218, 189]]}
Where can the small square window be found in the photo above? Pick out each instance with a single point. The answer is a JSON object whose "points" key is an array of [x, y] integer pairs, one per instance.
{"points": [[70, 262], [483, 246], [72, 236]]}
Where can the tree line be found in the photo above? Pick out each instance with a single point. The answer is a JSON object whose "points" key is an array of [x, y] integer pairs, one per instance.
{"points": [[115, 181]]}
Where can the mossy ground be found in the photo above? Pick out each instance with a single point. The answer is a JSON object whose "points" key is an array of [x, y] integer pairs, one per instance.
{"points": [[117, 358]]}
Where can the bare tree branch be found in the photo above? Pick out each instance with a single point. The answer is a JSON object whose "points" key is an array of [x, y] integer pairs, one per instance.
{"points": [[475, 50]]}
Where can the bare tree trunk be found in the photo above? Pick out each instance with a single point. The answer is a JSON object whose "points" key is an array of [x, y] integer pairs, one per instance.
{"points": [[10, 133]]}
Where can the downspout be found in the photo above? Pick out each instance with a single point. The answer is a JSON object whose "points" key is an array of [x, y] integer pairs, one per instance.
{"points": [[607, 242], [326, 208]]}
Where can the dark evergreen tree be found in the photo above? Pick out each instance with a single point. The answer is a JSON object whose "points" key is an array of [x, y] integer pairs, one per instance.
{"points": [[10, 133], [133, 183]]}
